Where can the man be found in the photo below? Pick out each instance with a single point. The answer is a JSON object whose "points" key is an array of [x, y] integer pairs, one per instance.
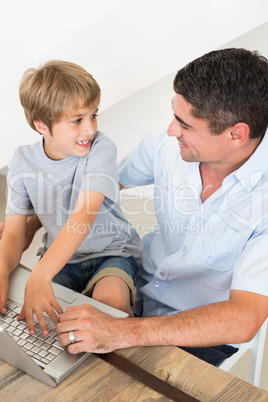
{"points": [[203, 284]]}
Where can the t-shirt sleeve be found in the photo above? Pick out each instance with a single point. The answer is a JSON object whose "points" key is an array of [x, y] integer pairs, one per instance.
{"points": [[18, 201], [101, 170], [137, 168]]}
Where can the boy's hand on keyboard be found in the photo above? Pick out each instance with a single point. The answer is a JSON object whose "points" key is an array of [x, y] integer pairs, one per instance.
{"points": [[2, 227], [4, 281], [39, 298]]}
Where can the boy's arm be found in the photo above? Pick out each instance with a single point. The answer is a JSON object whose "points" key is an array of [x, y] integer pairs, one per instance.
{"points": [[33, 225], [11, 248], [39, 296]]}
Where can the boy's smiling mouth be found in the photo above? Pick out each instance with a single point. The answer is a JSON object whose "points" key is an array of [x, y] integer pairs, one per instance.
{"points": [[84, 143]]}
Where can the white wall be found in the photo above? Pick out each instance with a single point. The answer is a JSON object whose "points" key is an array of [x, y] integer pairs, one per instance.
{"points": [[127, 45], [131, 119]]}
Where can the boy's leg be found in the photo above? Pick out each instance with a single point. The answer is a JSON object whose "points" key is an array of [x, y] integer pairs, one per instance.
{"points": [[113, 282], [113, 291], [70, 276]]}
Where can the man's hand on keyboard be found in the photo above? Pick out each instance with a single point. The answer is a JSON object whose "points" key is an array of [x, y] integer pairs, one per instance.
{"points": [[39, 298]]}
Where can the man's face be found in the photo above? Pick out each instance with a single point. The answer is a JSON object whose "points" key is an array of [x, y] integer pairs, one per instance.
{"points": [[196, 142]]}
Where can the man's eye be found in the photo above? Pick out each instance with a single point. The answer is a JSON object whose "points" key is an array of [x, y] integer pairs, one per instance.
{"points": [[184, 127], [77, 121], [94, 116]]}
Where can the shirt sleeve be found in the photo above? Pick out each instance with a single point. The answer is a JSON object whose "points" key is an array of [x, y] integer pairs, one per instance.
{"points": [[250, 270], [137, 169], [101, 170], [18, 201]]}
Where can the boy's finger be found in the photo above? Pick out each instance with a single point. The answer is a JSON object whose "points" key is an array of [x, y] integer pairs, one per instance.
{"points": [[21, 315], [42, 322], [30, 321], [54, 317], [3, 304], [56, 306], [3, 299]]}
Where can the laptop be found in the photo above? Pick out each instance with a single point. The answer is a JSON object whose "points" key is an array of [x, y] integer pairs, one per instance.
{"points": [[42, 357]]}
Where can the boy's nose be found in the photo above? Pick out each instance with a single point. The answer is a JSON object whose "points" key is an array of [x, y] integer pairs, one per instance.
{"points": [[89, 128]]}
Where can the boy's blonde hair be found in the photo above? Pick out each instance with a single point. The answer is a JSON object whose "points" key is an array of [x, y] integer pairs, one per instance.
{"points": [[56, 88]]}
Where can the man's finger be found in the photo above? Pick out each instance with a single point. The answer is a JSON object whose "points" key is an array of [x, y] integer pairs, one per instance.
{"points": [[74, 312]]}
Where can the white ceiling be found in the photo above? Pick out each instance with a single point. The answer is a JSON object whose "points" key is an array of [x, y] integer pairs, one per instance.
{"points": [[126, 44]]}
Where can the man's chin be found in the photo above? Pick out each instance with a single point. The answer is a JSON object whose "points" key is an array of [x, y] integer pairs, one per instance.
{"points": [[188, 156]]}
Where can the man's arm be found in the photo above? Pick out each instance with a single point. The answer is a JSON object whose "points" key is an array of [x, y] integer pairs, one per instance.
{"points": [[234, 321], [11, 247], [39, 296]]}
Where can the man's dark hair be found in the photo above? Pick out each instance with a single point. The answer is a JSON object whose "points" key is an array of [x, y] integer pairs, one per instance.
{"points": [[226, 87]]}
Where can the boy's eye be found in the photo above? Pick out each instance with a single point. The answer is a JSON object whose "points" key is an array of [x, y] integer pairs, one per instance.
{"points": [[94, 116], [77, 121]]}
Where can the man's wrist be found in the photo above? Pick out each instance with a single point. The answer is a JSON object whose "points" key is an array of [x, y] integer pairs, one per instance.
{"points": [[130, 332]]}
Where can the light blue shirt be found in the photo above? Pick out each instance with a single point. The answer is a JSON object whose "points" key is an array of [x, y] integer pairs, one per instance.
{"points": [[199, 251]]}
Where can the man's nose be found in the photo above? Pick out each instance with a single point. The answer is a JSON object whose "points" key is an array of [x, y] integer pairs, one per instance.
{"points": [[174, 129]]}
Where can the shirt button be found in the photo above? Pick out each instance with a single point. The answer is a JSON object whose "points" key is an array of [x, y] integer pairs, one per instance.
{"points": [[157, 284], [184, 248], [162, 273]]}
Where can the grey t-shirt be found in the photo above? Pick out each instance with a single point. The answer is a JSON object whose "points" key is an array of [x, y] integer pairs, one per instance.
{"points": [[37, 184]]}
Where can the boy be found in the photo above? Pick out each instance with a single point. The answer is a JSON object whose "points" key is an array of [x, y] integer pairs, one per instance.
{"points": [[69, 180]]}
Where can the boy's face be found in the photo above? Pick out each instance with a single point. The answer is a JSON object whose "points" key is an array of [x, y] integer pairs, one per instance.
{"points": [[72, 135]]}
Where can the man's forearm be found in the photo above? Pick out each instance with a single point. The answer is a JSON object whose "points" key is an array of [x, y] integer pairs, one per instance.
{"points": [[215, 324]]}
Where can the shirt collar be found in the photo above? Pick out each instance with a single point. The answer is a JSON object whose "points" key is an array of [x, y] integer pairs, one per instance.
{"points": [[250, 173]]}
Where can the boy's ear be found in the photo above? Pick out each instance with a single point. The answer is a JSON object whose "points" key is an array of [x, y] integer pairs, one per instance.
{"points": [[41, 127]]}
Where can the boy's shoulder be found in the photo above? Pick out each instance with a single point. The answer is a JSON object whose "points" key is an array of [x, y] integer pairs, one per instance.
{"points": [[27, 150], [102, 139], [102, 144]]}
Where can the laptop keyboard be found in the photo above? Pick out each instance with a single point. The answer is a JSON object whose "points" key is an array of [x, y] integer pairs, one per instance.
{"points": [[42, 348]]}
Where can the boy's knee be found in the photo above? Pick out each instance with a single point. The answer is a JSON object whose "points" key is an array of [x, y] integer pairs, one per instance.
{"points": [[114, 297]]}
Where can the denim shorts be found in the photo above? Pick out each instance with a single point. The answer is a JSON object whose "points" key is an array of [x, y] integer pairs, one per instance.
{"points": [[83, 276]]}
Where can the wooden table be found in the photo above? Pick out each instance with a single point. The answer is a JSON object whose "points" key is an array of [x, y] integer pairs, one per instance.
{"points": [[96, 380]]}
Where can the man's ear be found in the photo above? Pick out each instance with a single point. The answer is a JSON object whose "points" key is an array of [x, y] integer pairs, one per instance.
{"points": [[239, 133], [41, 127]]}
